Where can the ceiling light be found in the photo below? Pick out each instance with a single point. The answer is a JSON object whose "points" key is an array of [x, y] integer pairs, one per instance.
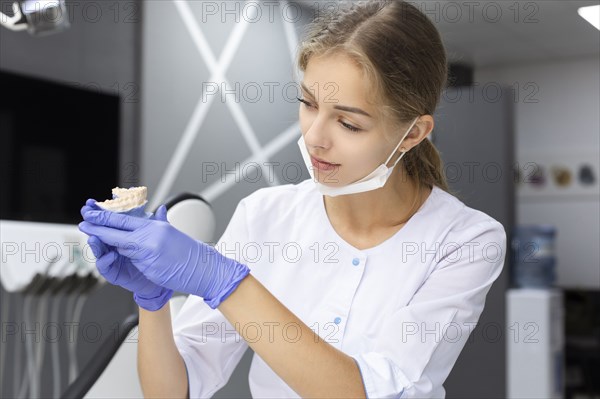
{"points": [[591, 14]]}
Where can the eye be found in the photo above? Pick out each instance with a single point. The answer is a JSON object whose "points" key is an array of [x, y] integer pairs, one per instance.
{"points": [[306, 103], [350, 127], [345, 125]]}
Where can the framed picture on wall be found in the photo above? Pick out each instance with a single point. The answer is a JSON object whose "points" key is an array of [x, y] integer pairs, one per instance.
{"points": [[557, 175]]}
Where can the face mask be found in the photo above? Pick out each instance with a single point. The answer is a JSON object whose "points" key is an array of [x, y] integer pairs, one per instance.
{"points": [[374, 180]]}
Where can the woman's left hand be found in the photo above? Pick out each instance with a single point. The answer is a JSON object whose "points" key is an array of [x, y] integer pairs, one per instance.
{"points": [[166, 256]]}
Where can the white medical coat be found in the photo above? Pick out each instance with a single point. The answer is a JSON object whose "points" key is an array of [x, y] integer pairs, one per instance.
{"points": [[403, 309]]}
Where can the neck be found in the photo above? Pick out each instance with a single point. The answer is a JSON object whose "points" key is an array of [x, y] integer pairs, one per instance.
{"points": [[389, 206]]}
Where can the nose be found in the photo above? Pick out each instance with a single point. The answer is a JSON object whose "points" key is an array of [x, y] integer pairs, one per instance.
{"points": [[316, 135]]}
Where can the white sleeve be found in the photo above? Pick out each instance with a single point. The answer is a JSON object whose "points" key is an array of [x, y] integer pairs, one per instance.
{"points": [[208, 343], [421, 341]]}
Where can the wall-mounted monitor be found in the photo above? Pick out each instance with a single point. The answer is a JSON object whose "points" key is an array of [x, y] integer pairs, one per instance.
{"points": [[59, 145]]}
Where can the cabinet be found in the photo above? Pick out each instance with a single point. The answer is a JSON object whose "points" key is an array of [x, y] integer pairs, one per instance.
{"points": [[582, 343]]}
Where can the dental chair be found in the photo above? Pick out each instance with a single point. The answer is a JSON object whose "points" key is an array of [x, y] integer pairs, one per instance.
{"points": [[112, 372]]}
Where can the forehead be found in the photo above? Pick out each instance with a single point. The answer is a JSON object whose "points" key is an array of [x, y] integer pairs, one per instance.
{"points": [[338, 78]]}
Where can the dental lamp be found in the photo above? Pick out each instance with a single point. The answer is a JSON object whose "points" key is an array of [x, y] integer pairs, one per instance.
{"points": [[39, 18]]}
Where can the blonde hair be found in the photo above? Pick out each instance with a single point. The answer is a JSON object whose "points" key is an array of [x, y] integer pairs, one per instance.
{"points": [[401, 53]]}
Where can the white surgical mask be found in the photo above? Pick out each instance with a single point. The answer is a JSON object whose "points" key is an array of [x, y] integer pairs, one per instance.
{"points": [[374, 180]]}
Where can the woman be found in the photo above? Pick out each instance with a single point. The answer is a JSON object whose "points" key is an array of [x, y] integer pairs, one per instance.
{"points": [[365, 280]]}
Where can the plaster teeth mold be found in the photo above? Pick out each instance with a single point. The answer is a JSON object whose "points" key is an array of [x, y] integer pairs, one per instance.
{"points": [[126, 199]]}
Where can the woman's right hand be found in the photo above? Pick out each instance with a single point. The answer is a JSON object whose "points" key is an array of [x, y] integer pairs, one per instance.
{"points": [[118, 270]]}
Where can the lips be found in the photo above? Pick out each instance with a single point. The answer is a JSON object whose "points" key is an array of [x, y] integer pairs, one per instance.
{"points": [[322, 165], [323, 161]]}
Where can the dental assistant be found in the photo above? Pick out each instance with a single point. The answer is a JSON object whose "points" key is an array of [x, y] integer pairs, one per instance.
{"points": [[384, 273]]}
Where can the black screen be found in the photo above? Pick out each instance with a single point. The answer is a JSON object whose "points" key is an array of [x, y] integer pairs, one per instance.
{"points": [[59, 147]]}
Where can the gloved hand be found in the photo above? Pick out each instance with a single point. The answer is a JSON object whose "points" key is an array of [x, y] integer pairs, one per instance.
{"points": [[166, 256], [118, 269]]}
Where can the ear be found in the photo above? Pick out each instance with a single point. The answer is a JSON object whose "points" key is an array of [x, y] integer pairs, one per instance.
{"points": [[419, 132]]}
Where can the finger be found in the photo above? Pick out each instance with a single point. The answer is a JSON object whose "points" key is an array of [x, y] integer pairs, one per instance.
{"points": [[85, 209], [161, 213], [114, 220], [104, 263], [97, 246], [107, 235], [90, 205], [131, 250]]}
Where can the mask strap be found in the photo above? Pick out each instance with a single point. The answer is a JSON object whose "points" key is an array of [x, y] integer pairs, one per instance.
{"points": [[405, 134]]}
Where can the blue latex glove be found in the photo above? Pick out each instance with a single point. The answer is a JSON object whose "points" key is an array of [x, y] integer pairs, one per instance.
{"points": [[166, 256], [118, 269]]}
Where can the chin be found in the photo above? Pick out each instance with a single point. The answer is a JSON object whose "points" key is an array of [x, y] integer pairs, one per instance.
{"points": [[328, 179]]}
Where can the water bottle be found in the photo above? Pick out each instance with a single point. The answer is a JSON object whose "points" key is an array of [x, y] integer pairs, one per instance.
{"points": [[534, 256]]}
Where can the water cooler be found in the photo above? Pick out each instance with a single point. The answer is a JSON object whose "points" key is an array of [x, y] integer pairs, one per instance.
{"points": [[535, 334]]}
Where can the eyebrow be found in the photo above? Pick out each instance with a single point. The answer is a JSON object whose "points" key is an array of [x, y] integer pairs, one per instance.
{"points": [[340, 107]]}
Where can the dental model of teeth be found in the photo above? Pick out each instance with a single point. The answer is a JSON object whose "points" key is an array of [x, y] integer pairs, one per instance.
{"points": [[125, 199]]}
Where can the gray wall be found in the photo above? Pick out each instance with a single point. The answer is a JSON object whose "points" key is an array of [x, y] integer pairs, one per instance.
{"points": [[175, 78], [475, 136]]}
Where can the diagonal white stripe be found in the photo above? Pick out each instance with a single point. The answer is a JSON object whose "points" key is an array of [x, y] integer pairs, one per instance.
{"points": [[279, 142], [217, 70], [203, 105], [290, 34]]}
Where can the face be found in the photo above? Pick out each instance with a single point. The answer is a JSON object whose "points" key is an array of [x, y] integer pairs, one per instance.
{"points": [[338, 124]]}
